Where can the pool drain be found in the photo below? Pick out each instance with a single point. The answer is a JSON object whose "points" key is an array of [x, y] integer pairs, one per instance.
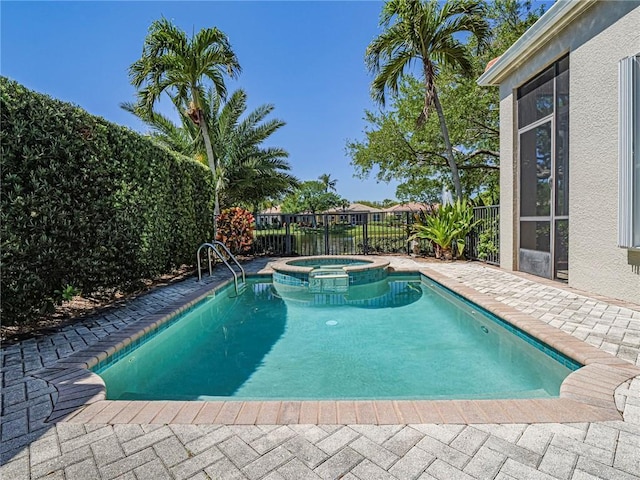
{"points": [[331, 323]]}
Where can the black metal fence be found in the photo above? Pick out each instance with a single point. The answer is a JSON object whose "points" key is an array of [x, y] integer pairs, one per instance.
{"points": [[484, 240], [362, 233], [352, 233]]}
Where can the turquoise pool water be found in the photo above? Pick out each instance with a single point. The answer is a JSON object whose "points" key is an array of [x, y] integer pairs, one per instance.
{"points": [[402, 338]]}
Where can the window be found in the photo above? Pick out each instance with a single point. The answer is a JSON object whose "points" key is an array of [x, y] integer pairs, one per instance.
{"points": [[629, 153]]}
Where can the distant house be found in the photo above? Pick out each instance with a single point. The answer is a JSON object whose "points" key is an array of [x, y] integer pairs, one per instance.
{"points": [[402, 209], [409, 207], [570, 147], [355, 214], [269, 217], [273, 217]]}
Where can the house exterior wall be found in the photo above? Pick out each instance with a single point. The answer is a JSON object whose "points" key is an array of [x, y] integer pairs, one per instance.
{"points": [[596, 41], [509, 203]]}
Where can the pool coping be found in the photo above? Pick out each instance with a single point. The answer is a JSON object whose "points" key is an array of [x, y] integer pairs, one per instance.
{"points": [[372, 263], [586, 395]]}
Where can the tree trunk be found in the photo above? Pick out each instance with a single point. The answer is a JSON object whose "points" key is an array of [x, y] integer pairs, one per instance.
{"points": [[211, 159], [455, 175]]}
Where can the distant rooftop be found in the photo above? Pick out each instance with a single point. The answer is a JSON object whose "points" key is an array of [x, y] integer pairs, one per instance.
{"points": [[409, 207]]}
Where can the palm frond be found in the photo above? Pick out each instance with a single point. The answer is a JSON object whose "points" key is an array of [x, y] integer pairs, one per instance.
{"points": [[390, 75], [454, 54]]}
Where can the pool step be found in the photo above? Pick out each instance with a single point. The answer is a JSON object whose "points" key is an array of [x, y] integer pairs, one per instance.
{"points": [[328, 281]]}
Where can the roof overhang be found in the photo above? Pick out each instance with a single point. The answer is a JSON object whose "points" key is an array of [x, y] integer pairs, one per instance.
{"points": [[554, 20]]}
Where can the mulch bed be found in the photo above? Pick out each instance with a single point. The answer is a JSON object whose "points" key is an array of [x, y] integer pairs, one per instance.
{"points": [[82, 307]]}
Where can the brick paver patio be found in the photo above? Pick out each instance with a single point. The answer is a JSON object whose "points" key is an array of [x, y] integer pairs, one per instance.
{"points": [[32, 448]]}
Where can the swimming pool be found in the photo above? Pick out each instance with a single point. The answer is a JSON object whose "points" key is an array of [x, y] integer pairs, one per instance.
{"points": [[404, 338]]}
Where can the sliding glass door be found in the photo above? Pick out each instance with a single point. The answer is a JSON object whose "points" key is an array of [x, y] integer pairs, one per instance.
{"points": [[543, 121]]}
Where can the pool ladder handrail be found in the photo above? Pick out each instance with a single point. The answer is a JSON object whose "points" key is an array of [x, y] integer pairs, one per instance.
{"points": [[211, 246]]}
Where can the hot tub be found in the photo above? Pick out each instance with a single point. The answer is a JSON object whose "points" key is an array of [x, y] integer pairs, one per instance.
{"points": [[329, 273]]}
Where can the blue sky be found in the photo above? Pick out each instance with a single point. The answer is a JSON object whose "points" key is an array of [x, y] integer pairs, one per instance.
{"points": [[306, 58]]}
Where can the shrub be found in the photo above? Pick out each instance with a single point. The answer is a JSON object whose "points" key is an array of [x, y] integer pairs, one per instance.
{"points": [[235, 229], [487, 238], [88, 204], [447, 227]]}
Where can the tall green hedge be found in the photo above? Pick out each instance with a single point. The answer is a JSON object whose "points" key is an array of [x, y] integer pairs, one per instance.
{"points": [[88, 203]]}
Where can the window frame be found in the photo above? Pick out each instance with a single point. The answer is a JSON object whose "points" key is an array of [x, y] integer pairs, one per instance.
{"points": [[551, 75], [629, 152]]}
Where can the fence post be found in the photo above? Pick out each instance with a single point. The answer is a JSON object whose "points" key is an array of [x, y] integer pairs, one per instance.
{"points": [[406, 221], [365, 233], [287, 235], [326, 234]]}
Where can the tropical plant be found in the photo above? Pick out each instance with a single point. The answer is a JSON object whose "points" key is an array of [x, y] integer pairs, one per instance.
{"points": [[185, 138], [392, 147], [247, 174], [463, 215], [423, 31], [235, 229], [66, 293], [440, 230], [447, 227], [172, 62]]}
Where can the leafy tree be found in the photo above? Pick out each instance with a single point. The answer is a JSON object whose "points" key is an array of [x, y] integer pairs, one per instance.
{"points": [[173, 63], [423, 31], [509, 19], [426, 190], [310, 197], [397, 150], [386, 203], [329, 184], [247, 173]]}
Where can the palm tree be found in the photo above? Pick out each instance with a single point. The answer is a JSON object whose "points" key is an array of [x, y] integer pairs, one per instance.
{"points": [[261, 175], [185, 139], [173, 63], [260, 181], [246, 173], [423, 31], [329, 184]]}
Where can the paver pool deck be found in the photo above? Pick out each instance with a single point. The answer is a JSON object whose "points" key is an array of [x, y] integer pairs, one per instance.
{"points": [[55, 422]]}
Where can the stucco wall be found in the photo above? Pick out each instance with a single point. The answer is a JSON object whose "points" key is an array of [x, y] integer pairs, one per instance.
{"points": [[508, 181], [596, 41]]}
